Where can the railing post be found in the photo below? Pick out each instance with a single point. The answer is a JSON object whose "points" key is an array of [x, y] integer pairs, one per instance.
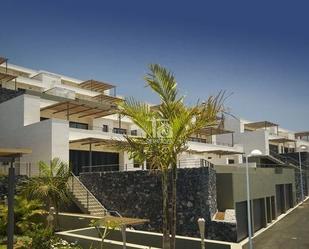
{"points": [[87, 200]]}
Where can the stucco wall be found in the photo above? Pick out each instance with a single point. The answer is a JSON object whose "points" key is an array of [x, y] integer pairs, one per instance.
{"points": [[21, 127], [262, 183]]}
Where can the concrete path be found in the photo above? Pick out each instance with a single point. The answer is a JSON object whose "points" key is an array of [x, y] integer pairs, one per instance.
{"points": [[291, 232]]}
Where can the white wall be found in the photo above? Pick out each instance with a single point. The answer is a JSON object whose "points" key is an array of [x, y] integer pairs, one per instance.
{"points": [[20, 126], [253, 140]]}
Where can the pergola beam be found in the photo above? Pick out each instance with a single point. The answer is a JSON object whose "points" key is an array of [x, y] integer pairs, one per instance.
{"points": [[65, 109]]}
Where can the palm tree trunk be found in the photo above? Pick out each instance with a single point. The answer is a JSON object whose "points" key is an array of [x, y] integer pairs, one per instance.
{"points": [[166, 234], [174, 206]]}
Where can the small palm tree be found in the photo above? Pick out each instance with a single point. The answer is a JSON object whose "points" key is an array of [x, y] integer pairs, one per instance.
{"points": [[51, 186], [27, 214], [167, 129]]}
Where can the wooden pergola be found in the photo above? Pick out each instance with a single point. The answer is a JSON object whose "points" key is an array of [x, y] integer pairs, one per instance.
{"points": [[97, 86], [92, 144], [96, 141], [5, 77], [79, 109], [261, 125], [13, 152]]}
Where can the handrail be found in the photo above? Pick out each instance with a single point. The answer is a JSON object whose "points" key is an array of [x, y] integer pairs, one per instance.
{"points": [[88, 192]]}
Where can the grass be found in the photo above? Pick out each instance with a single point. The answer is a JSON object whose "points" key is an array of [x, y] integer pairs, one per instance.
{"points": [[2, 246]]}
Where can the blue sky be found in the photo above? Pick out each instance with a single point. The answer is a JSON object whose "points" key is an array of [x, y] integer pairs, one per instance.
{"points": [[257, 50]]}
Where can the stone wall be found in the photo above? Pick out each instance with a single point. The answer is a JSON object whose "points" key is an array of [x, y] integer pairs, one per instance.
{"points": [[6, 94], [138, 194]]}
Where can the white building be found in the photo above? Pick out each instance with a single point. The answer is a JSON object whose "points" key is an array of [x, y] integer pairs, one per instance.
{"points": [[273, 141], [75, 120]]}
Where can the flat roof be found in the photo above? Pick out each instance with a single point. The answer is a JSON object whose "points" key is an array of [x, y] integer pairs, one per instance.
{"points": [[12, 152], [260, 124], [95, 85]]}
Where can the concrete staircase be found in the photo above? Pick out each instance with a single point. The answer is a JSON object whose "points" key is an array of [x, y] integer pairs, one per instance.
{"points": [[85, 200]]}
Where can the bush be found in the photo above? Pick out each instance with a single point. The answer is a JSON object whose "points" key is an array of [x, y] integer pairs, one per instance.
{"points": [[41, 237]]}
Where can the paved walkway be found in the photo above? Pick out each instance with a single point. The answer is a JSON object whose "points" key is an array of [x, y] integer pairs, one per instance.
{"points": [[291, 232]]}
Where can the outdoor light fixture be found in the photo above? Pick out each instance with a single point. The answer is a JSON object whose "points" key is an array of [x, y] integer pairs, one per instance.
{"points": [[253, 153], [300, 149], [201, 225]]}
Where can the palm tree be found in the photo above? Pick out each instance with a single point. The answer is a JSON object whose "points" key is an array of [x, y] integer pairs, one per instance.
{"points": [[51, 186], [166, 128]]}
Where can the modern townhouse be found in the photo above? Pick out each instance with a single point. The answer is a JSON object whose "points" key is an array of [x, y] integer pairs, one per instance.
{"points": [[75, 120]]}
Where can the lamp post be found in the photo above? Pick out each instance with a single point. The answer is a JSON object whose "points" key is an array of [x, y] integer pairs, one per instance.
{"points": [[301, 148], [253, 153], [124, 238], [11, 190], [201, 225]]}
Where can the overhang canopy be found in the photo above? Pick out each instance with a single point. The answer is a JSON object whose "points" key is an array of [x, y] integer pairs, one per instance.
{"points": [[96, 141], [224, 152], [5, 77], [218, 152], [209, 131], [14, 152], [259, 125], [95, 85], [81, 109], [281, 140]]}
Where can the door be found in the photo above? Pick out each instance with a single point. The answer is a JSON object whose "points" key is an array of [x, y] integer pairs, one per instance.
{"points": [[258, 214], [280, 199], [242, 222]]}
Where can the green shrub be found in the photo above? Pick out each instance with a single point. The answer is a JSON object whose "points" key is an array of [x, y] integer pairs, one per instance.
{"points": [[27, 213], [41, 237]]}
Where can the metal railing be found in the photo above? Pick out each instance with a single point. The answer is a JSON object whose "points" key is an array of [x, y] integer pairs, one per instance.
{"points": [[111, 130], [194, 163], [100, 168], [182, 163], [72, 185], [205, 141]]}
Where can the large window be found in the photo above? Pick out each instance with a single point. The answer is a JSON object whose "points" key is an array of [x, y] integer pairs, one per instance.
{"points": [[119, 131], [101, 161], [78, 125]]}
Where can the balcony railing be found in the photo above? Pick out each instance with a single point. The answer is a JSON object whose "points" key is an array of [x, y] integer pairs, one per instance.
{"points": [[205, 141], [182, 163]]}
